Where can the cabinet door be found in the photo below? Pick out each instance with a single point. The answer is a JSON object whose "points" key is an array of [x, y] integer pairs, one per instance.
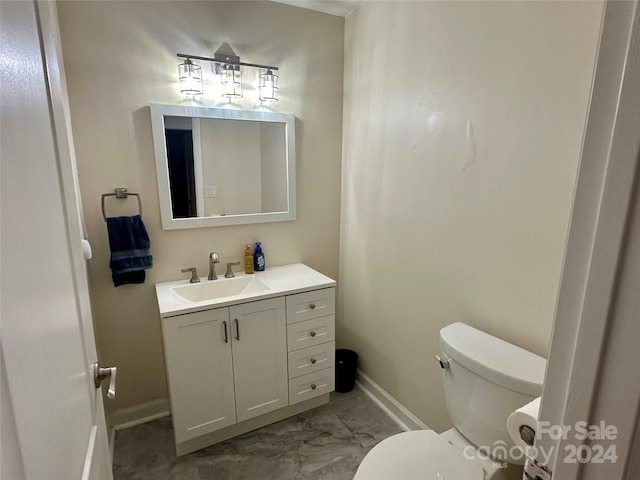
{"points": [[200, 372], [259, 357]]}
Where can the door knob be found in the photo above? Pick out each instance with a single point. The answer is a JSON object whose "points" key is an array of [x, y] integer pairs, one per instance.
{"points": [[100, 374]]}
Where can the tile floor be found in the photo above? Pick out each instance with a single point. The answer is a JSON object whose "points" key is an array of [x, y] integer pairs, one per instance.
{"points": [[326, 443]]}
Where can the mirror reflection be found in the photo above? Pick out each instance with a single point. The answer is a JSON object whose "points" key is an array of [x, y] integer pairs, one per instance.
{"points": [[236, 167], [222, 166]]}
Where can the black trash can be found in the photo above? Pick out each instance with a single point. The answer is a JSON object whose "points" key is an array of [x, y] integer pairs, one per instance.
{"points": [[346, 366]]}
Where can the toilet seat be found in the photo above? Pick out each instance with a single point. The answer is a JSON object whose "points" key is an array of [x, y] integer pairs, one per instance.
{"points": [[417, 455]]}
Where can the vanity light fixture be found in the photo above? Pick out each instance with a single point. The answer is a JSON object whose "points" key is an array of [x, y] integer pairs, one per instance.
{"points": [[190, 76], [228, 68], [268, 86], [231, 80]]}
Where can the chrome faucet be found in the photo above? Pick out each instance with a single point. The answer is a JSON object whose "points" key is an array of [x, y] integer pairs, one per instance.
{"points": [[194, 274], [213, 259], [230, 273]]}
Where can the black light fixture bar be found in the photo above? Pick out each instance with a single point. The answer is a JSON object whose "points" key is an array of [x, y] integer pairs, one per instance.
{"points": [[228, 60]]}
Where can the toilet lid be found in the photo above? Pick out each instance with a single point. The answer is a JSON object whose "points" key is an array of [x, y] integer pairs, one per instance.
{"points": [[417, 455]]}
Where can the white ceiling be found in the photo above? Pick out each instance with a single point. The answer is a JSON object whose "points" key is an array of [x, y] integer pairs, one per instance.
{"points": [[340, 8]]}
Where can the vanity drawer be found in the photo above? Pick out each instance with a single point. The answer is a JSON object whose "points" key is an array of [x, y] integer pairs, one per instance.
{"points": [[311, 332], [309, 386], [312, 359], [307, 305]]}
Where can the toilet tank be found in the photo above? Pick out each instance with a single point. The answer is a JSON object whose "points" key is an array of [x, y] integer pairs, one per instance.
{"points": [[488, 379]]}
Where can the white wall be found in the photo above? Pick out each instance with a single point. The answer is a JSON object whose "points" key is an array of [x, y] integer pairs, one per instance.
{"points": [[463, 124], [121, 56]]}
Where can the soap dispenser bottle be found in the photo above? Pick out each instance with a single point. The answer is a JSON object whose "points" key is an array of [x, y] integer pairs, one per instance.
{"points": [[248, 259], [258, 258]]}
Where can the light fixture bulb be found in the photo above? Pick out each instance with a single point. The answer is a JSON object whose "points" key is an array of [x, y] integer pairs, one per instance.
{"points": [[268, 86], [231, 80], [190, 76]]}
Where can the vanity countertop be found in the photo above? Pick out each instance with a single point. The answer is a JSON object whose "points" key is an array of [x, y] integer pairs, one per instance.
{"points": [[274, 281]]}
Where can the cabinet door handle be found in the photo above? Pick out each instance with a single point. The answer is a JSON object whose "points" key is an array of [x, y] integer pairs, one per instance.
{"points": [[313, 360], [313, 386], [226, 334], [312, 306], [235, 320], [312, 333]]}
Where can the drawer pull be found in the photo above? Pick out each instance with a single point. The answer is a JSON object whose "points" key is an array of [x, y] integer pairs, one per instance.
{"points": [[312, 306], [312, 333], [313, 386], [313, 360], [226, 334]]}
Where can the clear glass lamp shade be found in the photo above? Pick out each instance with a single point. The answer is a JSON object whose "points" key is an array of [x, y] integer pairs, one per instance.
{"points": [[231, 81], [268, 87], [190, 76]]}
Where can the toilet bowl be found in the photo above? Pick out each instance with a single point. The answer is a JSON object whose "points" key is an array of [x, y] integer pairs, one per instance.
{"points": [[485, 379], [426, 455], [417, 455]]}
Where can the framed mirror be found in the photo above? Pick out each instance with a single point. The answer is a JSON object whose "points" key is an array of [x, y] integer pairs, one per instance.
{"points": [[220, 166]]}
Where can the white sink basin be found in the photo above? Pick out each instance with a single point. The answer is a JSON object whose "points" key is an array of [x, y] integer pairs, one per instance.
{"points": [[215, 289], [180, 297]]}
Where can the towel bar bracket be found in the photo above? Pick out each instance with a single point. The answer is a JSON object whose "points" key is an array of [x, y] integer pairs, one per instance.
{"points": [[121, 193]]}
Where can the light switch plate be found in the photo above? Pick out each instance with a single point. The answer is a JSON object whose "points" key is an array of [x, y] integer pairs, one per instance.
{"points": [[212, 191]]}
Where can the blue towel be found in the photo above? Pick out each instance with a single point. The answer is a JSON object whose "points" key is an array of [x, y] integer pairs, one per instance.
{"points": [[130, 255]]}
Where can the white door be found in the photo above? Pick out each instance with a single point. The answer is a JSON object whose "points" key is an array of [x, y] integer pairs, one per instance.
{"points": [[55, 415], [198, 350], [260, 357]]}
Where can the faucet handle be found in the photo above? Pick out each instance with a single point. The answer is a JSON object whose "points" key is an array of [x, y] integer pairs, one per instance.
{"points": [[194, 274], [230, 273]]}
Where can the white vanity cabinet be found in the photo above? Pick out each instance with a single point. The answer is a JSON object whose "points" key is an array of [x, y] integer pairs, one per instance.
{"points": [[259, 343], [241, 362], [200, 372], [311, 344], [226, 365]]}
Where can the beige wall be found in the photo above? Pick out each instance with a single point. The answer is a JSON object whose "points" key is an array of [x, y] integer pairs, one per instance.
{"points": [[274, 169], [462, 130], [119, 57], [231, 162]]}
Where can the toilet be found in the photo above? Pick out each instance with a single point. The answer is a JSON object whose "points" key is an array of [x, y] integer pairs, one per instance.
{"points": [[485, 380]]}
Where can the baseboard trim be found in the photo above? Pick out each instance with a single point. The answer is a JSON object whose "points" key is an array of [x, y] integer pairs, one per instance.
{"points": [[208, 439], [146, 412], [139, 414], [136, 415], [392, 407]]}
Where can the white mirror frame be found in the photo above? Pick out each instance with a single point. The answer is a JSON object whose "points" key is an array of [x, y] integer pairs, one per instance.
{"points": [[158, 112]]}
